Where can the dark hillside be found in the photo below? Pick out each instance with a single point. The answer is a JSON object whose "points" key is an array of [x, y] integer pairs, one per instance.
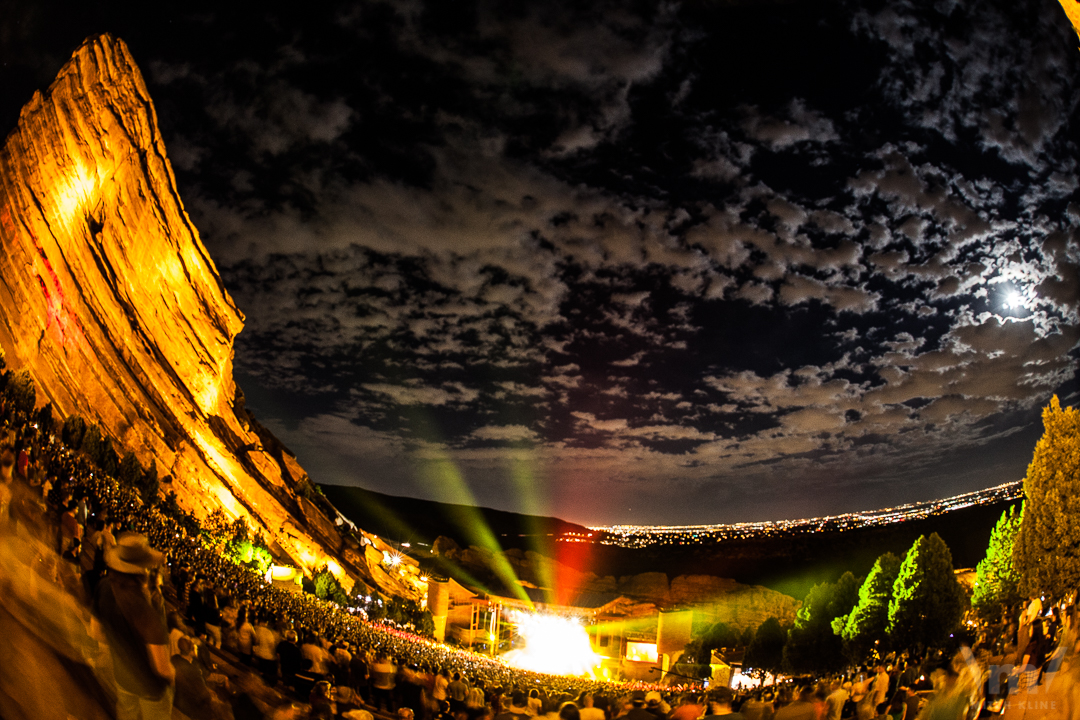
{"points": [[787, 564]]}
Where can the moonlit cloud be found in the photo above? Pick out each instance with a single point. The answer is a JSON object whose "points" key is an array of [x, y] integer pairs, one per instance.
{"points": [[686, 263]]}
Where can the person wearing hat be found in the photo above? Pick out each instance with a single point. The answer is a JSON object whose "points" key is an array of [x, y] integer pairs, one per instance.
{"points": [[136, 631], [654, 703], [637, 709]]}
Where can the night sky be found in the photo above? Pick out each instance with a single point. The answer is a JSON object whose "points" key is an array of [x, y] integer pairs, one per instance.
{"points": [[627, 262]]}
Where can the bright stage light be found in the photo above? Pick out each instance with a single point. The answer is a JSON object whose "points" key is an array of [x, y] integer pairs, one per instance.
{"points": [[553, 645]]}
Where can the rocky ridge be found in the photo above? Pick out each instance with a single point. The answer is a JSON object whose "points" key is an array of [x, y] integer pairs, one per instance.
{"points": [[109, 297]]}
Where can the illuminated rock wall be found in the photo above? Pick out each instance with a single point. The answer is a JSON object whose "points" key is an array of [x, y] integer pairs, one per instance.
{"points": [[109, 297], [1072, 10]]}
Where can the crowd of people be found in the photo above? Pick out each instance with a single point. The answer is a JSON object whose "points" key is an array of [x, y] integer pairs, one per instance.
{"points": [[212, 608], [172, 612]]}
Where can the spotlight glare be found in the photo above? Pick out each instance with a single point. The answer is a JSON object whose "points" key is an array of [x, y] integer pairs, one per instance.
{"points": [[554, 645]]}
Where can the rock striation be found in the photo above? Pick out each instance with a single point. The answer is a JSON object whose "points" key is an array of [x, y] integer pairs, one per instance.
{"points": [[109, 297]]}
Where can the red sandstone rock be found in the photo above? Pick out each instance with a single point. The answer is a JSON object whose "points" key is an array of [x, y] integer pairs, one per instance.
{"points": [[109, 298]]}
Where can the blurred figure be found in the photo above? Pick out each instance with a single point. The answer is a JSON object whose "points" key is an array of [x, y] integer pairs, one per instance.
{"points": [[533, 705], [588, 711], [245, 635], [69, 527], [457, 691], [719, 704], [211, 617], [516, 709], [358, 671], [290, 658], [880, 687], [92, 556], [897, 709], [757, 708], [265, 650], [316, 655], [1066, 684], [7, 464], [802, 708], [193, 697], [947, 702], [1033, 656], [835, 701], [438, 687], [381, 680], [138, 639], [866, 708], [321, 701], [654, 703]]}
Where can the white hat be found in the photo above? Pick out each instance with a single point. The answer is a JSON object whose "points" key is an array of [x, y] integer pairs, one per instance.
{"points": [[132, 554]]}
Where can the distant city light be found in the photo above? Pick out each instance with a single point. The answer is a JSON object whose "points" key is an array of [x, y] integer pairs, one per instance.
{"points": [[637, 536]]}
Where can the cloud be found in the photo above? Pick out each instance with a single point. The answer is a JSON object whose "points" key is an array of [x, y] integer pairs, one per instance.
{"points": [[801, 125], [404, 395], [500, 236], [505, 433]]}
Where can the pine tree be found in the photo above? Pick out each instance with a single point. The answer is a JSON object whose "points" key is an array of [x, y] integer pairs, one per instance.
{"points": [[996, 580], [868, 621], [844, 598], [23, 393], [1046, 555], [130, 472], [73, 431], [812, 646], [927, 601], [149, 485], [766, 650]]}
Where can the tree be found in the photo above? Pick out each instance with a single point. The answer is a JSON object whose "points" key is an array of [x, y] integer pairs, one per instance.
{"points": [[73, 431], [327, 587], [719, 635], [868, 621], [130, 472], [713, 637], [44, 418], [766, 650], [149, 484], [99, 448], [996, 580], [1046, 555], [844, 598], [425, 624], [927, 601], [92, 443], [812, 646], [22, 392], [170, 507]]}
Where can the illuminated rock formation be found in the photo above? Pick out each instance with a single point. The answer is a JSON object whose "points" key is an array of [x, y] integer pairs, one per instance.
{"points": [[1072, 10], [109, 298]]}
